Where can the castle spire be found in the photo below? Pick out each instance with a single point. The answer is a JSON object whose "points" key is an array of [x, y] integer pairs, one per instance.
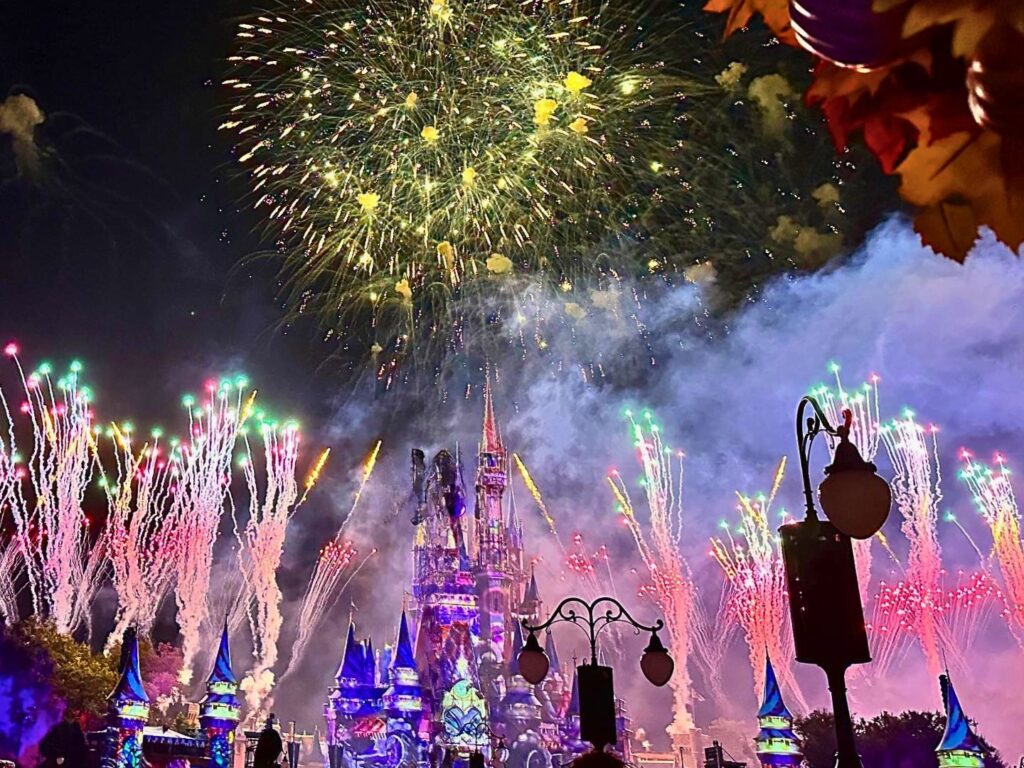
{"points": [[221, 672], [404, 697], [517, 646], [959, 747], [552, 652], [776, 744], [574, 699], [349, 669], [491, 440], [404, 657], [129, 694]]}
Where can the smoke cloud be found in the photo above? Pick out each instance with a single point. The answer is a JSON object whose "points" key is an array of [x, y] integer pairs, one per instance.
{"points": [[945, 338]]}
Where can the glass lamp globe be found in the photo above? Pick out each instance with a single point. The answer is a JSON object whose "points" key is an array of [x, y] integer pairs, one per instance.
{"points": [[854, 499], [656, 664], [533, 662]]}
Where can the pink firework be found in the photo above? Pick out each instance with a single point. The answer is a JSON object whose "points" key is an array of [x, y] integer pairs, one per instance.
{"points": [[997, 503], [52, 529], [138, 531], [200, 497], [913, 451], [671, 586], [272, 502], [756, 586], [332, 573], [961, 611], [864, 433]]}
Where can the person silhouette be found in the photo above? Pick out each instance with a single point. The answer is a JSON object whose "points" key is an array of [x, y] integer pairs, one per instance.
{"points": [[269, 746]]}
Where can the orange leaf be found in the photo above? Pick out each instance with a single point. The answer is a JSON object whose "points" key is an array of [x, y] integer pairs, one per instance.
{"points": [[947, 228], [958, 183], [775, 13]]}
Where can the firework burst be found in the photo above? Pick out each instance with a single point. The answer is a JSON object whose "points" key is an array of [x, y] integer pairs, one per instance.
{"points": [[201, 497], [997, 503], [671, 587], [410, 156], [51, 527], [137, 533], [865, 434], [756, 585]]}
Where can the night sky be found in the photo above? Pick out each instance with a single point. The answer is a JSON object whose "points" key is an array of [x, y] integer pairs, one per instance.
{"points": [[143, 283]]}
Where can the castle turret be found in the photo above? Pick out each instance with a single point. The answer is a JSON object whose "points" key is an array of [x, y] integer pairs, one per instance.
{"points": [[219, 710], [404, 699], [552, 653], [776, 744], [128, 708], [531, 605], [959, 747]]}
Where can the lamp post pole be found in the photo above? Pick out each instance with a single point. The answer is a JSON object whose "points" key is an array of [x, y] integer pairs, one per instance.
{"points": [[821, 576]]}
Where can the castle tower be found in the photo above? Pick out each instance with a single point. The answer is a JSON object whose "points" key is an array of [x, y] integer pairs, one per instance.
{"points": [[776, 744], [352, 697], [128, 709], [219, 710], [530, 608], [404, 699], [491, 566], [959, 747]]}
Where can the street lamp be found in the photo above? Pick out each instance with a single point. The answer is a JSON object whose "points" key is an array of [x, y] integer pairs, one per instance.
{"points": [[597, 696], [821, 577]]}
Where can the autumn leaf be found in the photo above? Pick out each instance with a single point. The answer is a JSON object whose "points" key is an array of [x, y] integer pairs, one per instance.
{"points": [[947, 228], [958, 184], [740, 12]]}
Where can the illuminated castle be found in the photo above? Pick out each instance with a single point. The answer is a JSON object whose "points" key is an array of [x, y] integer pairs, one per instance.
{"points": [[776, 744], [450, 686]]}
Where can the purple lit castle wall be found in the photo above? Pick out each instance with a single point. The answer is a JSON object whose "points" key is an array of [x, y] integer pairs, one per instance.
{"points": [[450, 685]]}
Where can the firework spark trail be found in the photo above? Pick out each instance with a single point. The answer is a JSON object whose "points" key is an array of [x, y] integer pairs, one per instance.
{"points": [[403, 151], [864, 433], [64, 573], [263, 546], [331, 574], [531, 486], [671, 587], [201, 496], [11, 476], [137, 539], [913, 451], [997, 503], [756, 586], [331, 577]]}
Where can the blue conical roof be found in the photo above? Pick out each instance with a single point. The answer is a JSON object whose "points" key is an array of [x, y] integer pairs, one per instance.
{"points": [[958, 734], [349, 668], [532, 593], [517, 646], [222, 666], [404, 656], [129, 686], [772, 705], [369, 665], [574, 700], [552, 652]]}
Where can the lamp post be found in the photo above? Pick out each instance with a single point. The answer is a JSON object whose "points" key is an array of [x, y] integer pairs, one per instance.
{"points": [[821, 576], [597, 696]]}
